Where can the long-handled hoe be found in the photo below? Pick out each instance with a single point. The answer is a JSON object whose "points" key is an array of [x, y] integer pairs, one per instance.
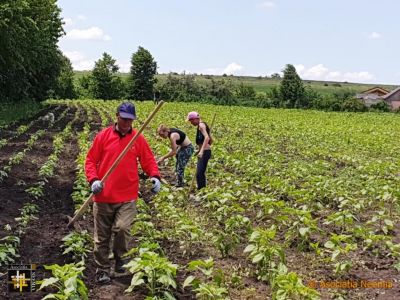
{"points": [[84, 206], [195, 172]]}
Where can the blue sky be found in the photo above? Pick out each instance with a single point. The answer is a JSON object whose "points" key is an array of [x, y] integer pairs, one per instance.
{"points": [[337, 40]]}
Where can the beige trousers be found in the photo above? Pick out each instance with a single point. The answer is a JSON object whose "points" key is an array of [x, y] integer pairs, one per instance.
{"points": [[116, 219]]}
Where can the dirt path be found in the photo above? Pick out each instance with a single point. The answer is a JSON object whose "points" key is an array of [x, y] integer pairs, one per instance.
{"points": [[25, 174]]}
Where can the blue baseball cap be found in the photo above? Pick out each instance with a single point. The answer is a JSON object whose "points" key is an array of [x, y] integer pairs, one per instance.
{"points": [[127, 110]]}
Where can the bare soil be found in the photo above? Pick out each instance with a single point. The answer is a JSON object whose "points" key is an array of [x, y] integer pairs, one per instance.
{"points": [[42, 241]]}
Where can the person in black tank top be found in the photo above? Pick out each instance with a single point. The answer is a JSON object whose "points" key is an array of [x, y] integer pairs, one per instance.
{"points": [[182, 135], [203, 141], [181, 147]]}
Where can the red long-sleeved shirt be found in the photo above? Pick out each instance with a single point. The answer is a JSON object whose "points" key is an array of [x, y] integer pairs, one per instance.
{"points": [[123, 183]]}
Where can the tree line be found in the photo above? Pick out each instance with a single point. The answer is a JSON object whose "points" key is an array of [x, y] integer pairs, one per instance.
{"points": [[32, 67], [104, 82]]}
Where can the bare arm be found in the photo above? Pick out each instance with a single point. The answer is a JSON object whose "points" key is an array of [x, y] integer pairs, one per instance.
{"points": [[174, 147], [203, 130]]}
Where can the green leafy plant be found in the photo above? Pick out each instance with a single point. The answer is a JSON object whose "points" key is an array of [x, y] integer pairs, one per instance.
{"points": [[190, 237], [36, 191], [3, 142], [21, 129], [381, 218], [27, 214], [343, 219], [67, 279], [301, 229], [213, 285], [78, 244], [153, 271], [145, 231], [231, 235], [8, 249], [338, 246], [16, 159], [289, 286], [264, 252], [3, 175]]}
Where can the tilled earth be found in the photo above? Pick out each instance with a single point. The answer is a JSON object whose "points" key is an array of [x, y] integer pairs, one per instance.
{"points": [[41, 244]]}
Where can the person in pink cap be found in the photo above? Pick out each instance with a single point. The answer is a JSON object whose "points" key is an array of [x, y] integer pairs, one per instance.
{"points": [[203, 141]]}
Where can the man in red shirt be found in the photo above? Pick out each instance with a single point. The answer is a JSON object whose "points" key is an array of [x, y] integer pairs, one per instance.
{"points": [[114, 206]]}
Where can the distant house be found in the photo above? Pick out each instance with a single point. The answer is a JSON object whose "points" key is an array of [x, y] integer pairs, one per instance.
{"points": [[372, 96], [378, 94], [393, 98]]}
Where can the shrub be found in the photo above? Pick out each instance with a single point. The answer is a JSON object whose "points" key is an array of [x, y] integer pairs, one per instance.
{"points": [[381, 106], [353, 105]]}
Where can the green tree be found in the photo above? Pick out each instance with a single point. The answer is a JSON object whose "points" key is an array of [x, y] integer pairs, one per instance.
{"points": [[179, 87], [29, 56], [276, 76], [291, 88], [221, 92], [381, 106], [311, 97], [262, 100], [65, 88], [343, 95], [85, 86], [245, 92], [105, 82], [142, 75], [275, 95], [352, 104]]}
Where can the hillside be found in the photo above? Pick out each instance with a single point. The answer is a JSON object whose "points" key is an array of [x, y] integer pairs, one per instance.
{"points": [[262, 84]]}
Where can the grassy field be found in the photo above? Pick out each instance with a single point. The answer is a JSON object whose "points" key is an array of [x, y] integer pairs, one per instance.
{"points": [[262, 84], [15, 111]]}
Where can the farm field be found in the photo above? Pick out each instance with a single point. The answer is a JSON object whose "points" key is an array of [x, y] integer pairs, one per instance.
{"points": [[296, 201]]}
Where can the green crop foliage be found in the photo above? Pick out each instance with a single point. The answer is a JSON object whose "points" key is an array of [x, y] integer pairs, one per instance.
{"points": [[78, 244], [153, 271], [67, 280], [281, 183]]}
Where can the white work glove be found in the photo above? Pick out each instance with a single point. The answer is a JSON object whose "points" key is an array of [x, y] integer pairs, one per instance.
{"points": [[96, 187], [156, 185]]}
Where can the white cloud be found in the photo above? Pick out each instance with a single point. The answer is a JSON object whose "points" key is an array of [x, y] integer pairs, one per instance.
{"points": [[68, 21], [92, 33], [374, 35], [317, 71], [267, 5], [320, 72], [232, 68], [74, 56], [300, 68], [79, 61]]}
